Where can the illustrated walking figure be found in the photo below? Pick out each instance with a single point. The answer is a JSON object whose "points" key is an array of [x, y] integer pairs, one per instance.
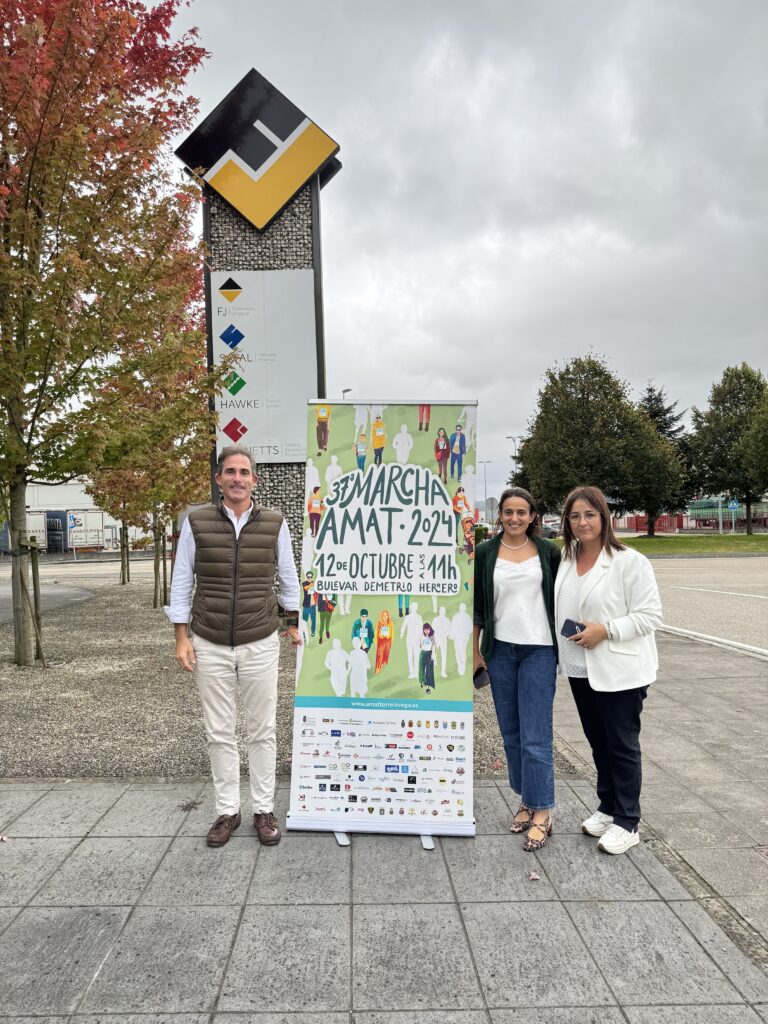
{"points": [[362, 628], [402, 442], [461, 631], [424, 411], [337, 663], [441, 626], [359, 667], [458, 444], [323, 420], [427, 658], [309, 601], [360, 448], [315, 509], [411, 629], [384, 634], [378, 440], [326, 605], [442, 451]]}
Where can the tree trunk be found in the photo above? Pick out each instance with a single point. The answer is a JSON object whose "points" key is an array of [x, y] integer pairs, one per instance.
{"points": [[156, 560], [23, 628], [748, 503], [651, 526], [123, 555], [127, 554], [165, 571]]}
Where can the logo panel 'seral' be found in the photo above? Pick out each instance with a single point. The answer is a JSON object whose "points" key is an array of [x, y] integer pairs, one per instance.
{"points": [[257, 149]]}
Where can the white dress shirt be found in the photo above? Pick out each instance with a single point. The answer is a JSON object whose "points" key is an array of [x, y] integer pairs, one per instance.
{"points": [[180, 608]]}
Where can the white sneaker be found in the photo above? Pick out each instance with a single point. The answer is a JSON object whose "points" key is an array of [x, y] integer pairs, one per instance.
{"points": [[617, 840], [597, 824]]}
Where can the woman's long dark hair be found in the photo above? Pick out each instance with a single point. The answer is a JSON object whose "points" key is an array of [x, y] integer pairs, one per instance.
{"points": [[594, 497], [520, 492]]}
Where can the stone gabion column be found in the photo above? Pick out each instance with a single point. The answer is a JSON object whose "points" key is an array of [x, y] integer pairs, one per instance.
{"points": [[286, 244]]}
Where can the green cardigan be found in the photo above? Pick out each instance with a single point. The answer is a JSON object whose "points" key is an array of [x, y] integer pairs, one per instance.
{"points": [[485, 562]]}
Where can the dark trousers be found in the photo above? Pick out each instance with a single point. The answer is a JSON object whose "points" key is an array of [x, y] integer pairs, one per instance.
{"points": [[611, 723]]}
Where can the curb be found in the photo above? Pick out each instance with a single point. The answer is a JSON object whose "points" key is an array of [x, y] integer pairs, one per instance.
{"points": [[715, 641]]}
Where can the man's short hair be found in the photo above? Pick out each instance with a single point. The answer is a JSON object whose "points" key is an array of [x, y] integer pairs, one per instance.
{"points": [[234, 449]]}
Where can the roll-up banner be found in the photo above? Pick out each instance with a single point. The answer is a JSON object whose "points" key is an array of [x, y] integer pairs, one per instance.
{"points": [[382, 738]]}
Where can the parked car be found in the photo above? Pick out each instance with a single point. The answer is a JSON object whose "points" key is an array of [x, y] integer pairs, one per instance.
{"points": [[550, 529]]}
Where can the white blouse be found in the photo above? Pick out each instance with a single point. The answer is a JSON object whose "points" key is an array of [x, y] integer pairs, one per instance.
{"points": [[520, 615], [572, 659]]}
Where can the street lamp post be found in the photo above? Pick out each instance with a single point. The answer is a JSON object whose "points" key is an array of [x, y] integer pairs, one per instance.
{"points": [[484, 463]]}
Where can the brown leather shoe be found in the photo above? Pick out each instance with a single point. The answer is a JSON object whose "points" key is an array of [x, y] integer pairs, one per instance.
{"points": [[222, 829], [267, 828]]}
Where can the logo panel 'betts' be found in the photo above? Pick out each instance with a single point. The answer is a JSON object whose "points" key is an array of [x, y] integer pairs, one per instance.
{"points": [[257, 149]]}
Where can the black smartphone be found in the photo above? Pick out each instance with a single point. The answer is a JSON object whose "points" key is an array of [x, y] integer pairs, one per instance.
{"points": [[481, 678], [571, 628]]}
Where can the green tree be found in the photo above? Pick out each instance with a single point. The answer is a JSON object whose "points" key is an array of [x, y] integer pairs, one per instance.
{"points": [[723, 440], [754, 447], [586, 430], [94, 234], [667, 422]]}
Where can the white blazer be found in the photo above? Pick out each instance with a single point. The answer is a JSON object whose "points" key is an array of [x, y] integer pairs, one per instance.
{"points": [[621, 590]]}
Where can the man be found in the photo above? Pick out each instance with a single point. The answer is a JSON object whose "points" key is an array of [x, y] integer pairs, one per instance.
{"points": [[231, 552]]}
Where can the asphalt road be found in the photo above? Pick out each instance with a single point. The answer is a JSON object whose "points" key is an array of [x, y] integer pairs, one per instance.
{"points": [[720, 597], [726, 598]]}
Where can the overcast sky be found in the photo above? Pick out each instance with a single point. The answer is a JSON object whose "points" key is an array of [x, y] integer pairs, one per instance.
{"points": [[522, 183]]}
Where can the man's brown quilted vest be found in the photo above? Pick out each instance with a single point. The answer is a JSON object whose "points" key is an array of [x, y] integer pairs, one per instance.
{"points": [[234, 601]]}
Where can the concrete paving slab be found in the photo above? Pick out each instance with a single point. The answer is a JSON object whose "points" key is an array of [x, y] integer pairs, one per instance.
{"points": [[66, 812], [739, 1014], [744, 798], [755, 825], [306, 869], [689, 831], [492, 812], [277, 1018], [412, 958], [647, 955], [704, 771], [167, 960], [731, 872], [662, 880], [671, 795], [148, 812], [753, 909], [560, 1015], [290, 958], [395, 869], [139, 1018], [532, 956], [494, 869], [14, 802], [26, 863], [48, 956], [751, 982], [423, 1017], [755, 768], [763, 1012], [7, 914], [194, 874], [103, 872], [578, 871]]}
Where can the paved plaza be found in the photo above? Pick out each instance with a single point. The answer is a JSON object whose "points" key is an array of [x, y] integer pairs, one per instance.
{"points": [[113, 905]]}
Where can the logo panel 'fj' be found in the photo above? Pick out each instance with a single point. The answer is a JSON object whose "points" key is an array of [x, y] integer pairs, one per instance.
{"points": [[257, 149]]}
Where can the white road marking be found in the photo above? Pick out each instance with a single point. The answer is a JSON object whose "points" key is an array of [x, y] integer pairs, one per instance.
{"points": [[732, 593]]}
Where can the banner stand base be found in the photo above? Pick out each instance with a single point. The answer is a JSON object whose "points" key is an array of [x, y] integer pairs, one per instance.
{"points": [[341, 838], [427, 842]]}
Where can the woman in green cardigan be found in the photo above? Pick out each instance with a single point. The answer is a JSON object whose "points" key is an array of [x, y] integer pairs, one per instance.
{"points": [[515, 639]]}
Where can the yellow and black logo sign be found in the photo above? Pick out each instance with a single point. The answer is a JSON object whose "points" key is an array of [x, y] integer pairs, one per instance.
{"points": [[257, 150]]}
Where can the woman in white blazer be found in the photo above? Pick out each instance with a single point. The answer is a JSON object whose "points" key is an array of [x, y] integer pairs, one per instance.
{"points": [[610, 591]]}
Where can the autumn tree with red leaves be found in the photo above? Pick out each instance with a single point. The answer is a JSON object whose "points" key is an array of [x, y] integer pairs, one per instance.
{"points": [[96, 251]]}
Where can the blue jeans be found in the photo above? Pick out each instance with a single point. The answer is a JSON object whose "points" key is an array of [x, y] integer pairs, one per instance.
{"points": [[523, 687]]}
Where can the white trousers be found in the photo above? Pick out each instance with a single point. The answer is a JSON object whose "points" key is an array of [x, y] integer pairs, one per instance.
{"points": [[219, 671]]}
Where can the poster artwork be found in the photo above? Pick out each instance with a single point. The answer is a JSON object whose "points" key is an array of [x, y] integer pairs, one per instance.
{"points": [[383, 707]]}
